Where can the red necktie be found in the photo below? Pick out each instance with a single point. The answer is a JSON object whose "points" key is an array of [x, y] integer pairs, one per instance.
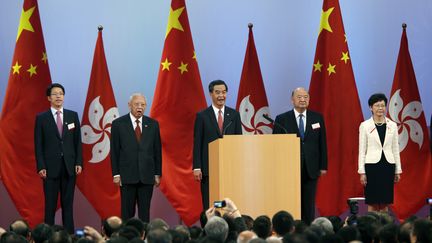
{"points": [[220, 121], [138, 131], [59, 123]]}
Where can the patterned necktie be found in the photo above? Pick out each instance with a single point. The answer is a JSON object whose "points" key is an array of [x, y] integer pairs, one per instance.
{"points": [[59, 123], [137, 130], [220, 121], [301, 126]]}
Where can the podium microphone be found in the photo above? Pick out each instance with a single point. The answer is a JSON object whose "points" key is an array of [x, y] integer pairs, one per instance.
{"points": [[225, 129], [275, 123]]}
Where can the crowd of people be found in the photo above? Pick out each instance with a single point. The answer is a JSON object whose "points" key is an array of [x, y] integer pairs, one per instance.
{"points": [[228, 225]]}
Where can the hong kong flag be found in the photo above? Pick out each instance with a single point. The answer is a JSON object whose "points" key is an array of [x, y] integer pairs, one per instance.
{"points": [[405, 108], [100, 110], [252, 99]]}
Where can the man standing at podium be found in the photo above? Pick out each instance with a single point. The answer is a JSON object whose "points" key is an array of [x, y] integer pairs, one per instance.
{"points": [[309, 127], [211, 124]]}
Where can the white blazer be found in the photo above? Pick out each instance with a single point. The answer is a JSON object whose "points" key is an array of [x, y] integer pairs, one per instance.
{"points": [[370, 148]]}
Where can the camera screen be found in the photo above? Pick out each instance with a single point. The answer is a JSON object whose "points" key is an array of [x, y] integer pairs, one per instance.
{"points": [[79, 233], [219, 204]]}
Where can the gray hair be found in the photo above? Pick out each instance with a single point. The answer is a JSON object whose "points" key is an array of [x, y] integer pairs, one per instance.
{"points": [[136, 94], [216, 228], [323, 223]]}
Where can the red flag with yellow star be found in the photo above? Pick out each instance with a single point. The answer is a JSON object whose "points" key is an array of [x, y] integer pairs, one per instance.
{"points": [[333, 93], [178, 97], [25, 97]]}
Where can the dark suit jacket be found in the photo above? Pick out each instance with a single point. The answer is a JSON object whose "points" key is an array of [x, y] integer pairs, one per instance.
{"points": [[206, 130], [50, 147], [314, 146], [136, 162]]}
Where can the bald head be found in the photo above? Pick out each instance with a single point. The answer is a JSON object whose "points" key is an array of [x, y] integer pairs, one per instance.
{"points": [[111, 225], [246, 236]]}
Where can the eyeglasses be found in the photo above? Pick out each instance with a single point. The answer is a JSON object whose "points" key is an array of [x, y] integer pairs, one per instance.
{"points": [[379, 106], [57, 94]]}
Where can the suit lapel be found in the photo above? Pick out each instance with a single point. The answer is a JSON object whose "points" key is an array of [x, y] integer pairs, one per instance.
{"points": [[387, 134], [52, 123], [308, 123], [130, 127], [212, 117], [227, 118], [292, 120], [144, 127], [373, 131]]}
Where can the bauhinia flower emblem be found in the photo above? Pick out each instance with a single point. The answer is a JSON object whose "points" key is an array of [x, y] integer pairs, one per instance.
{"points": [[259, 125], [95, 134], [408, 120]]}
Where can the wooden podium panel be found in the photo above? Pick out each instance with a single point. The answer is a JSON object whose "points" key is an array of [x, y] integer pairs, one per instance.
{"points": [[260, 173]]}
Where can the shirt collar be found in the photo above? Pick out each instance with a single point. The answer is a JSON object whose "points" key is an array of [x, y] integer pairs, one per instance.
{"points": [[296, 113], [54, 111], [216, 110], [133, 119]]}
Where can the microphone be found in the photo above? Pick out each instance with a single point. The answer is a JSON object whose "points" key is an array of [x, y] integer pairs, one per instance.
{"points": [[275, 123], [224, 130]]}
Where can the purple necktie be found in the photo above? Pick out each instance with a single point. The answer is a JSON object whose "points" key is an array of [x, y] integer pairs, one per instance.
{"points": [[59, 123]]}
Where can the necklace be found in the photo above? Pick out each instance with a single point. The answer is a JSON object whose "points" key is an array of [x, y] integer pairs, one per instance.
{"points": [[380, 123]]}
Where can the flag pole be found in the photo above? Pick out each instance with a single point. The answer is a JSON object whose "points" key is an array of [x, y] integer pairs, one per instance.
{"points": [[100, 28], [404, 25], [250, 25]]}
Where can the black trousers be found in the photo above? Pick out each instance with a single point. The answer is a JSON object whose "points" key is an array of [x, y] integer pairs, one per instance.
{"points": [[132, 194], [308, 191], [65, 185], [205, 192]]}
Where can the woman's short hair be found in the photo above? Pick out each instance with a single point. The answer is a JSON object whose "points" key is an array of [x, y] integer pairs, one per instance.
{"points": [[377, 98]]}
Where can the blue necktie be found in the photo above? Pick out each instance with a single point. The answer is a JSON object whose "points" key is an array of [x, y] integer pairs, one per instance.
{"points": [[301, 126]]}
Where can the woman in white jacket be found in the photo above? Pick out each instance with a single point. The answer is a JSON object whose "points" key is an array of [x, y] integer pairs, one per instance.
{"points": [[379, 161]]}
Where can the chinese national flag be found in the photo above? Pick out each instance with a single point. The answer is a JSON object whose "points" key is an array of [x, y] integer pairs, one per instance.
{"points": [[25, 97], [333, 93], [251, 99], [178, 97], [100, 110], [406, 110]]}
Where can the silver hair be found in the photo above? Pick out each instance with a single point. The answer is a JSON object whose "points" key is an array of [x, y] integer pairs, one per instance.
{"points": [[136, 94], [216, 228], [323, 223]]}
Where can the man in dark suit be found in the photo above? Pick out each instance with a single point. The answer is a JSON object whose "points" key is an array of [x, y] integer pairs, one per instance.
{"points": [[211, 124], [309, 126], [58, 154], [136, 158]]}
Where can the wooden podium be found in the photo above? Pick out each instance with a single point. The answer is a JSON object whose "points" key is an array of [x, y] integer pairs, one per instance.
{"points": [[260, 173]]}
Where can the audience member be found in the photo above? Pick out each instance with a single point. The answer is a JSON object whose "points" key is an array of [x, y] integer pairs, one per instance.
{"points": [[216, 228], [110, 225], [246, 236], [325, 224], [159, 235], [138, 224], [262, 226], [41, 233], [282, 223]]}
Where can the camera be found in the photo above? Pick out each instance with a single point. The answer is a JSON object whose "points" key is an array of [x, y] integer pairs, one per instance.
{"points": [[219, 204], [353, 206], [79, 233], [354, 209]]}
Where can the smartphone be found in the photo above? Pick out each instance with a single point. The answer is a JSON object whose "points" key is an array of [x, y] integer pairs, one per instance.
{"points": [[219, 204], [79, 233]]}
